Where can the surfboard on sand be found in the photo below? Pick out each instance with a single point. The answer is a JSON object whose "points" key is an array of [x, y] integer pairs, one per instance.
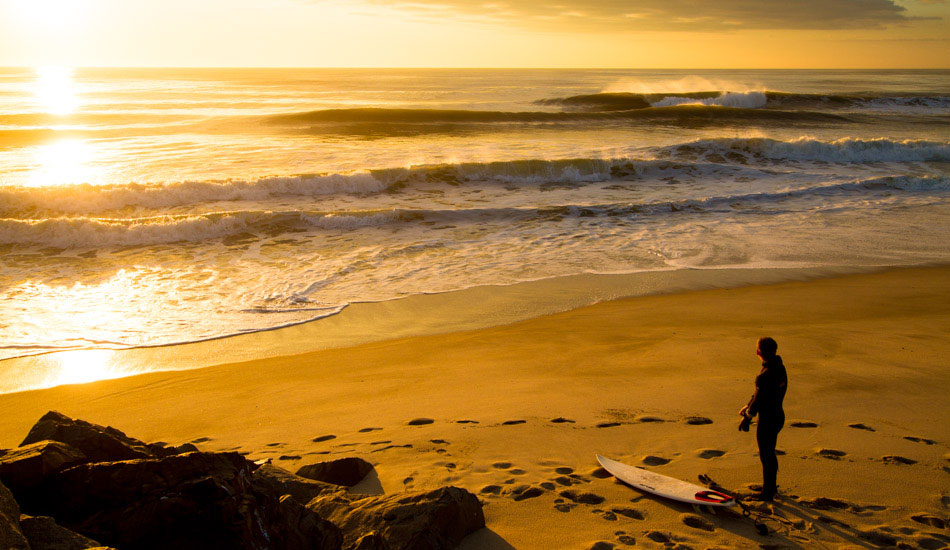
{"points": [[664, 486]]}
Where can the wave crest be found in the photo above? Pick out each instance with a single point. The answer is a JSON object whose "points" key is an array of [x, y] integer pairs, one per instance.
{"points": [[237, 228], [846, 150]]}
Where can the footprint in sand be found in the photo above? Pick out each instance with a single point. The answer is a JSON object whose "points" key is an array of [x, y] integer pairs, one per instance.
{"points": [[609, 516], [466, 421], [803, 424], [833, 454], [490, 490], [651, 460], [697, 420], [564, 508], [420, 421], [288, 457], [581, 498], [919, 440], [365, 430], [201, 440], [626, 539], [629, 513], [323, 438], [710, 453], [859, 426], [659, 536], [931, 520], [547, 485], [564, 470], [524, 492], [600, 473], [384, 442], [562, 420], [408, 480], [646, 418], [275, 444], [387, 447], [564, 480], [894, 459], [502, 465], [602, 545], [513, 422], [697, 522], [608, 424], [439, 441], [517, 471]]}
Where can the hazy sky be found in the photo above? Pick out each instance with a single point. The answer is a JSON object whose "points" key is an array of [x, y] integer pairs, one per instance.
{"points": [[477, 33]]}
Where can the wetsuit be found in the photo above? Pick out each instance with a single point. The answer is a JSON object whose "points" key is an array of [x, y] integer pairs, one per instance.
{"points": [[770, 386]]}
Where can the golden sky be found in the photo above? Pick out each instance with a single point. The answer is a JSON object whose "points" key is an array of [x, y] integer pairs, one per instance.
{"points": [[477, 33]]}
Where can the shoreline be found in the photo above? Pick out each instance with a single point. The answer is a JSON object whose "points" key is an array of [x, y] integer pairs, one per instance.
{"points": [[360, 323], [627, 375]]}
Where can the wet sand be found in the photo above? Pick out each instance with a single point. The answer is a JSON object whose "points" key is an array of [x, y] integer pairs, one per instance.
{"points": [[517, 412]]}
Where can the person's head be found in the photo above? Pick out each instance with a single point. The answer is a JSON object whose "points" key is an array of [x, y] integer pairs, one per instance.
{"points": [[766, 348]]}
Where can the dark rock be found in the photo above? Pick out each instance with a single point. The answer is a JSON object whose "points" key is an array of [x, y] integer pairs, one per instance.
{"points": [[371, 541], [345, 471], [282, 482], [190, 501], [419, 520], [44, 534], [98, 443], [24, 468], [11, 537]]}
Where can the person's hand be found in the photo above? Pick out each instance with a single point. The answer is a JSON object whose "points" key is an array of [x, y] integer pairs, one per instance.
{"points": [[744, 411], [744, 425]]}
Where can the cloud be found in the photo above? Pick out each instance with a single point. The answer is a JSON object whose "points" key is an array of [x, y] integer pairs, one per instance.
{"points": [[668, 15]]}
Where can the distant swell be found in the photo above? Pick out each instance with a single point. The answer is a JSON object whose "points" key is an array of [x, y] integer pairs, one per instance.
{"points": [[847, 150], [234, 227], [683, 114]]}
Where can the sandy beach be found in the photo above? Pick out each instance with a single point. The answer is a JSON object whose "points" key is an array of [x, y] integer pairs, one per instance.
{"points": [[867, 411]]}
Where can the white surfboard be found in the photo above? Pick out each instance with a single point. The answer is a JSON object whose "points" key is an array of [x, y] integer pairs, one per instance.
{"points": [[664, 486]]}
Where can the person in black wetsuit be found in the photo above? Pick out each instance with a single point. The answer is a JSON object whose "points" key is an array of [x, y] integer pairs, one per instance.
{"points": [[770, 387]]}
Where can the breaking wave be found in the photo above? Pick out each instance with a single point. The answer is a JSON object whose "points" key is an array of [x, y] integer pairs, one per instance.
{"points": [[611, 102], [236, 227]]}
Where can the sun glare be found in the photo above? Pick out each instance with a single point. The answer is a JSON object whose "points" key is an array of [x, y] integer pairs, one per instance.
{"points": [[63, 162], [54, 90], [76, 367]]}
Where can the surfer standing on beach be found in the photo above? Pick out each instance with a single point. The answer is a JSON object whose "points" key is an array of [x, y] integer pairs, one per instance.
{"points": [[770, 387]]}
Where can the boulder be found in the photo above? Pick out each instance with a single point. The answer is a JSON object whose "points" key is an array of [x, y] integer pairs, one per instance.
{"points": [[345, 471], [98, 443], [11, 536], [418, 520], [24, 468], [282, 482], [191, 501], [44, 534]]}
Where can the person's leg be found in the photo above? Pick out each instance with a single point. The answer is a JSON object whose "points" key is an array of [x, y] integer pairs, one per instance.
{"points": [[766, 435]]}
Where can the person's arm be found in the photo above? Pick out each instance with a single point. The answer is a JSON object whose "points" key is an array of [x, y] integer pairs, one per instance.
{"points": [[752, 408]]}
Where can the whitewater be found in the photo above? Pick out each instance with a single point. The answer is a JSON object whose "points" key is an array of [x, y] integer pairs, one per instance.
{"points": [[180, 205]]}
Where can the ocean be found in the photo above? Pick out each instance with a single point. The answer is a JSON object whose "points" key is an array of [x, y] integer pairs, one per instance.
{"points": [[144, 207]]}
